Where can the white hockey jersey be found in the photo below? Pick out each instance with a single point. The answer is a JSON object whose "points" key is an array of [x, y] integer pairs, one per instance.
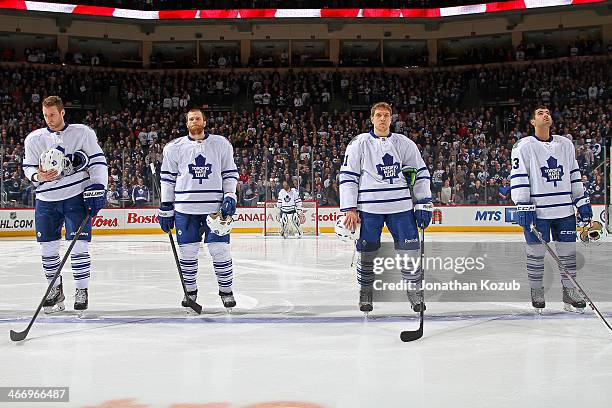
{"points": [[197, 174], [371, 178], [69, 140], [289, 200], [547, 175]]}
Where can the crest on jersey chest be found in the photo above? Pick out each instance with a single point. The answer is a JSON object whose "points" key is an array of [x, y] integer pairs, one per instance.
{"points": [[287, 198], [200, 170], [553, 172], [389, 169]]}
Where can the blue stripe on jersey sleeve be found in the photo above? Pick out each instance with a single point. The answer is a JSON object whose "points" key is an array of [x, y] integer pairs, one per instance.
{"points": [[96, 155], [168, 172], [348, 181], [519, 175], [29, 165], [573, 171], [577, 181], [98, 163], [350, 173], [421, 169], [423, 178], [167, 180], [229, 171], [230, 177], [519, 186]]}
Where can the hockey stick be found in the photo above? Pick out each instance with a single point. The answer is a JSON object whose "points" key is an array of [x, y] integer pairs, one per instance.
{"points": [[19, 336], [563, 270], [412, 335], [192, 304]]}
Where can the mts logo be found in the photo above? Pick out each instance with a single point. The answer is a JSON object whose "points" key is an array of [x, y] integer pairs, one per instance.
{"points": [[488, 216]]}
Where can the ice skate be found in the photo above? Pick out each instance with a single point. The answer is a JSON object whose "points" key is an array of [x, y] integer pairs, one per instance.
{"points": [[193, 295], [81, 301], [228, 301], [537, 299], [416, 300], [55, 300], [572, 300], [365, 301]]}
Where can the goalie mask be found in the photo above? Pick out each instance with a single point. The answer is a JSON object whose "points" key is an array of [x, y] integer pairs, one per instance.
{"points": [[592, 232], [218, 225], [53, 159], [345, 234]]}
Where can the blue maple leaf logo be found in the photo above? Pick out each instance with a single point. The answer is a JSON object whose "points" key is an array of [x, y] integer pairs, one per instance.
{"points": [[554, 172], [389, 170], [200, 170]]}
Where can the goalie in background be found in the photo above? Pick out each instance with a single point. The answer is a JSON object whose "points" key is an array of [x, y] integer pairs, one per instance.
{"points": [[290, 210]]}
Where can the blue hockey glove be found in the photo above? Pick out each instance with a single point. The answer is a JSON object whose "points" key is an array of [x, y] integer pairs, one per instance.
{"points": [[585, 213], [94, 197], [526, 215], [228, 207], [165, 216], [422, 212]]}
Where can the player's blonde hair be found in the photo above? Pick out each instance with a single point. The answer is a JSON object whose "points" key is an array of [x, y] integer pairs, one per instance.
{"points": [[380, 105], [51, 101]]}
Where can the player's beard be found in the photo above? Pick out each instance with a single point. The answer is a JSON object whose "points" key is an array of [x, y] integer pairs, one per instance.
{"points": [[195, 130]]}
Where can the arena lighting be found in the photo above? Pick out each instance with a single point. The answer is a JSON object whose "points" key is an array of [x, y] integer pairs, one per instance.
{"points": [[286, 13]]}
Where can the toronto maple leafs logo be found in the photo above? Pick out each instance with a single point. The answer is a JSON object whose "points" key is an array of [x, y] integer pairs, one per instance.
{"points": [[200, 170], [554, 172], [389, 170], [287, 198]]}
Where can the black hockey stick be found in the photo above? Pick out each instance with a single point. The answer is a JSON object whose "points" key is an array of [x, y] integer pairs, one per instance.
{"points": [[412, 335], [563, 270], [192, 304], [19, 336]]}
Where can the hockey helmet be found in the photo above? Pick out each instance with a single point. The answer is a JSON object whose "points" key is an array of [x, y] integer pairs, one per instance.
{"points": [[53, 159], [594, 231], [344, 233], [218, 225]]}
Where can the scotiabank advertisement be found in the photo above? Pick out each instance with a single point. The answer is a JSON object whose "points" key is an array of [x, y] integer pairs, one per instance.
{"points": [[20, 222]]}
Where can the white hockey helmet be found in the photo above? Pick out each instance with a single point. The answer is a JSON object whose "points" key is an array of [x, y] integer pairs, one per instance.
{"points": [[344, 233], [218, 225], [53, 159], [594, 231]]}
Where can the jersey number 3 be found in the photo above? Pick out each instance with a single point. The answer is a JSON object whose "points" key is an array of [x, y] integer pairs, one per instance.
{"points": [[516, 163]]}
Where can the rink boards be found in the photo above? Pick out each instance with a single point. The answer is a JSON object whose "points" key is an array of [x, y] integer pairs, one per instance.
{"points": [[20, 221]]}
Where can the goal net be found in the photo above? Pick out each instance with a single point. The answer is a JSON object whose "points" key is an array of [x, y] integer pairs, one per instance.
{"points": [[309, 220]]}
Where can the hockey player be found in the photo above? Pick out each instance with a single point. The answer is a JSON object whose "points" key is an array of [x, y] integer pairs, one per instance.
{"points": [[199, 178], [374, 192], [289, 206], [546, 185], [74, 187]]}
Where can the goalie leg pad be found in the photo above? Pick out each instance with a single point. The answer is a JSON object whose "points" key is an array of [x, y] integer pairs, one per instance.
{"points": [[295, 223], [222, 264], [188, 259], [284, 221], [50, 259], [81, 264]]}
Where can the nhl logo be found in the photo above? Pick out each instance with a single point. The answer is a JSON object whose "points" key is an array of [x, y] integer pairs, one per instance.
{"points": [[13, 215]]}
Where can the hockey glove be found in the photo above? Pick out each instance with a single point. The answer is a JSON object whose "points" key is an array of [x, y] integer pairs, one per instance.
{"points": [[228, 207], [422, 212], [165, 216], [585, 213], [526, 215], [410, 174], [94, 197]]}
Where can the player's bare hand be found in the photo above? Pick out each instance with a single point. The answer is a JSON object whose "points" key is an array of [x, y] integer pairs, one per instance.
{"points": [[47, 175], [352, 219]]}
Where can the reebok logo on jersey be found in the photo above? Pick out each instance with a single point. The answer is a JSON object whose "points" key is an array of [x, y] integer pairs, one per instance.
{"points": [[389, 170], [554, 172], [200, 170]]}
